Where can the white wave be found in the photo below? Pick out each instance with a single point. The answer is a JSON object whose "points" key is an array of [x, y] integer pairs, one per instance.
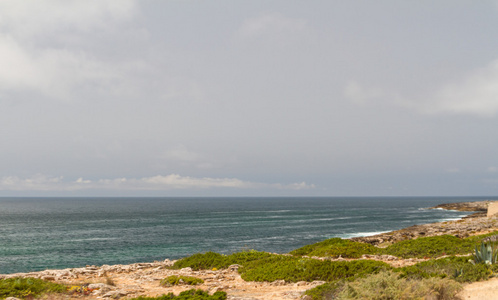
{"points": [[358, 234], [92, 239], [451, 219]]}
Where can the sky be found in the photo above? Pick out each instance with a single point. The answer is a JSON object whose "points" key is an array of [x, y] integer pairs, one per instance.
{"points": [[248, 98]]}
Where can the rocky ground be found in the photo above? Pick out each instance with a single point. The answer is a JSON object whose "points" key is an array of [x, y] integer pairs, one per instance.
{"points": [[127, 281]]}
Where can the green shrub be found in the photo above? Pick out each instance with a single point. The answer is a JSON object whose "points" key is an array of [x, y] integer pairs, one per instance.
{"points": [[421, 247], [176, 280], [201, 261], [188, 295], [457, 268], [210, 260], [476, 239], [388, 285], [433, 246], [325, 291], [293, 269], [336, 247], [28, 287]]}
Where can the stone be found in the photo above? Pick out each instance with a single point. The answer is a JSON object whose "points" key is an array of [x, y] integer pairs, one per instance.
{"points": [[278, 283], [233, 268], [492, 209], [115, 294], [300, 283], [101, 286], [48, 278]]}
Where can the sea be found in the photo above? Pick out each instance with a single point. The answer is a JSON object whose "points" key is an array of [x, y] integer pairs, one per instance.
{"points": [[56, 233]]}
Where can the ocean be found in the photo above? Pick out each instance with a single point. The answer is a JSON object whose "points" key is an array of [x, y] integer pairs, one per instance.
{"points": [[55, 233]]}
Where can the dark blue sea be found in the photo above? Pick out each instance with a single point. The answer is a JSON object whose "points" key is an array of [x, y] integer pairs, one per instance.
{"points": [[54, 233]]}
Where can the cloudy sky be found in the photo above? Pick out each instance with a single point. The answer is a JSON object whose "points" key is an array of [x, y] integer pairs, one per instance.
{"points": [[248, 98]]}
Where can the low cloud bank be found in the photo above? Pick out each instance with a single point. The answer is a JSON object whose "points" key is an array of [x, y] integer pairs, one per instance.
{"points": [[154, 183]]}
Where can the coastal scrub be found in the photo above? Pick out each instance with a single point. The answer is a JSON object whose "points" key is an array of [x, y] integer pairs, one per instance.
{"points": [[389, 285], [210, 260], [176, 280], [336, 247], [429, 247], [188, 295], [28, 287], [294, 269], [457, 268]]}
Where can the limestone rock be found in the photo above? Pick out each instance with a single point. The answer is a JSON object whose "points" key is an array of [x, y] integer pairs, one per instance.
{"points": [[233, 268], [101, 286], [115, 294], [278, 283], [492, 209]]}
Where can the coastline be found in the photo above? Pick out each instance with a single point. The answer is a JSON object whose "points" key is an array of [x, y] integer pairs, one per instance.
{"points": [[473, 224], [142, 278]]}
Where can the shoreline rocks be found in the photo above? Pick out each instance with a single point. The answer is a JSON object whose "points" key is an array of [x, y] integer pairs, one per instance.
{"points": [[473, 224], [477, 206]]}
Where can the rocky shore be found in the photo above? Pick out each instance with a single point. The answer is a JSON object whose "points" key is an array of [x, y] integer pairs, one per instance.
{"points": [[473, 224], [128, 281]]}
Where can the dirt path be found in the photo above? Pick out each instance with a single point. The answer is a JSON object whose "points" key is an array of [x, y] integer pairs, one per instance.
{"points": [[482, 290]]}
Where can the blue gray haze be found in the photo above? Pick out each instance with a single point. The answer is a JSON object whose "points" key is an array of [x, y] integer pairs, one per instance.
{"points": [[52, 233]]}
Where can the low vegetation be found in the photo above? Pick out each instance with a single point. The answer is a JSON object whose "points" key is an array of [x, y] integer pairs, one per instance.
{"points": [[336, 247], [176, 280], [456, 268], [389, 285], [422, 247], [28, 287], [293, 269], [262, 266], [210, 260], [430, 247], [188, 295], [438, 277]]}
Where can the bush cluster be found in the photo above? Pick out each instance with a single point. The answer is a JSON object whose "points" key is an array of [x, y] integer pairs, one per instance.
{"points": [[188, 295], [28, 287], [388, 285], [293, 269], [210, 260], [336, 247], [422, 247], [176, 280], [457, 268], [261, 266]]}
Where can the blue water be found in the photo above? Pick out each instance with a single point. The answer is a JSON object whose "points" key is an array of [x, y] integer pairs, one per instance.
{"points": [[54, 233]]}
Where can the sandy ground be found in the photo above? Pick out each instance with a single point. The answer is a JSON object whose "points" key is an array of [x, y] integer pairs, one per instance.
{"points": [[483, 290]]}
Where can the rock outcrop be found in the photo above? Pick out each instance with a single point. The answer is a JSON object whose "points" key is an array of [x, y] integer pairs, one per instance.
{"points": [[128, 281], [474, 224], [477, 206]]}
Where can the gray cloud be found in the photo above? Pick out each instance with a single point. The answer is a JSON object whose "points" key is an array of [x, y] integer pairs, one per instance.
{"points": [[350, 97], [41, 182]]}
